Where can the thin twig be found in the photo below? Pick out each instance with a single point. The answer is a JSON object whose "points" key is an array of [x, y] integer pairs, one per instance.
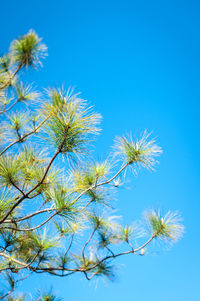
{"points": [[87, 242], [9, 108], [12, 76], [25, 136], [30, 215]]}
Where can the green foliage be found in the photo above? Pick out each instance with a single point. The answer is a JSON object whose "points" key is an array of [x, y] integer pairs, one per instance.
{"points": [[106, 270], [6, 202], [139, 151], [48, 297], [27, 50], [31, 242], [26, 93], [17, 120], [4, 63], [103, 222], [85, 178], [56, 201], [63, 203], [9, 171], [167, 228], [71, 123], [126, 233]]}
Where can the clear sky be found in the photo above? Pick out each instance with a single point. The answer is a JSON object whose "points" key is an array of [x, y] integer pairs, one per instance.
{"points": [[138, 62]]}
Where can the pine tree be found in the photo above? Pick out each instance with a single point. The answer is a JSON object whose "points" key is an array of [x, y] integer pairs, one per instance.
{"points": [[49, 182]]}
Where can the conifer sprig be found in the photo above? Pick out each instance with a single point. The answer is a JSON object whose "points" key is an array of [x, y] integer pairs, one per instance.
{"points": [[142, 151], [28, 50]]}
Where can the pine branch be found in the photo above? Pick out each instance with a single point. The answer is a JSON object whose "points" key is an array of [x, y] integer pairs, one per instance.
{"points": [[12, 76], [25, 136]]}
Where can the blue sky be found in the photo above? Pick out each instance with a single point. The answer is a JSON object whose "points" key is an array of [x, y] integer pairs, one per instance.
{"points": [[138, 63]]}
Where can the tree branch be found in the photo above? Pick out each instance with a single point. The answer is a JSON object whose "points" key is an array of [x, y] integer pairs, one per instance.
{"points": [[41, 181], [29, 216], [87, 242], [25, 136], [9, 108], [12, 76]]}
